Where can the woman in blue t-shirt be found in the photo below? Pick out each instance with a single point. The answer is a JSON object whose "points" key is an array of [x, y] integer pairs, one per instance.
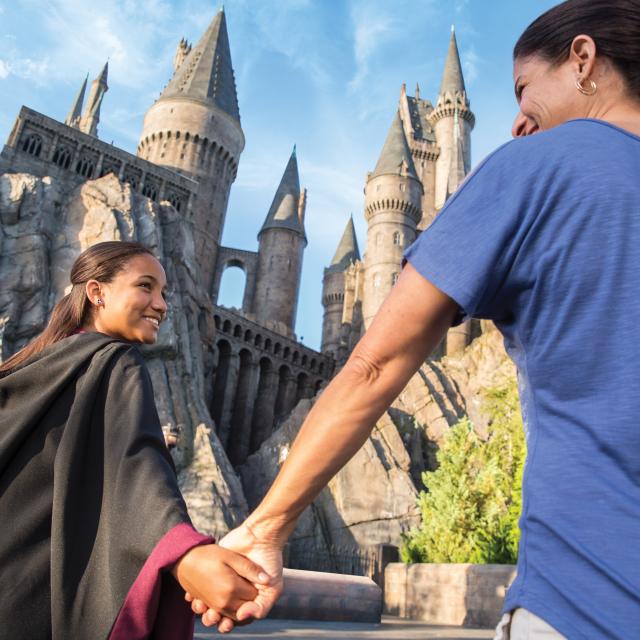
{"points": [[544, 239]]}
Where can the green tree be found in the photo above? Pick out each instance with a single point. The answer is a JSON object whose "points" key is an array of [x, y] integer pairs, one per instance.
{"points": [[471, 507]]}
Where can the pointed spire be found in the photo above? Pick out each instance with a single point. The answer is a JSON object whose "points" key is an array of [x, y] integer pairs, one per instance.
{"points": [[452, 79], [206, 74], [102, 78], [396, 155], [91, 113], [417, 96], [285, 211], [347, 252], [75, 113]]}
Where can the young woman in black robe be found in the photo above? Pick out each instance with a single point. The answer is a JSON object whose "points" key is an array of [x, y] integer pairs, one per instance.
{"points": [[95, 540]]}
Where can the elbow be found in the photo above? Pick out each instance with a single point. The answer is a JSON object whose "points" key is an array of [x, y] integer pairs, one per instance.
{"points": [[362, 368]]}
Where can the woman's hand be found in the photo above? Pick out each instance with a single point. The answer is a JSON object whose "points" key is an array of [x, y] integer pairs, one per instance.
{"points": [[268, 554], [224, 580]]}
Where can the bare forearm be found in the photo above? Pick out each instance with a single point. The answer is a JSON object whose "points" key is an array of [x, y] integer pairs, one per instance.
{"points": [[346, 412]]}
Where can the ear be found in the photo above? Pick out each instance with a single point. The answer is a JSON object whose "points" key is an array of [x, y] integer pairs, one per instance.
{"points": [[94, 292], [582, 55]]}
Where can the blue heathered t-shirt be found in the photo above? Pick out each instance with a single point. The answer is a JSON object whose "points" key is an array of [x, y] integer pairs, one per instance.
{"points": [[544, 239]]}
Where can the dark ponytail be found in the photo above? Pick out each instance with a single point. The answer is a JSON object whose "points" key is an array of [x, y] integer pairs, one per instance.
{"points": [[101, 262], [614, 26]]}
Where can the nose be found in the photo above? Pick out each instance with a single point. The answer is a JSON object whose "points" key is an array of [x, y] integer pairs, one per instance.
{"points": [[523, 126], [160, 304]]}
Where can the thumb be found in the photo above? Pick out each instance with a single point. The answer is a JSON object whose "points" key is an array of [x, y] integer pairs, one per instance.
{"points": [[247, 569]]}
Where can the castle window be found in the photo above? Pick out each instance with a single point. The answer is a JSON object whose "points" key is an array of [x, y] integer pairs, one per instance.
{"points": [[303, 362], [150, 190], [286, 353], [394, 278], [397, 238], [401, 187], [277, 349], [62, 157], [33, 145], [85, 166], [376, 280]]}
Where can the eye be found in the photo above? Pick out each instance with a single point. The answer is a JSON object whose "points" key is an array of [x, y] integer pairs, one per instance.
{"points": [[146, 285]]}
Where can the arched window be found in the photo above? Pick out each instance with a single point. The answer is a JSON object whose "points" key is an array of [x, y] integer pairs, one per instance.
{"points": [[62, 157], [397, 238], [33, 145], [377, 280], [394, 278], [85, 167]]}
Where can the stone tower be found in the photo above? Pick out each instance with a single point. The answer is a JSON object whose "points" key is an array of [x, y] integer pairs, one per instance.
{"points": [[393, 196], [194, 128], [333, 290], [452, 121], [75, 113], [282, 240], [91, 116]]}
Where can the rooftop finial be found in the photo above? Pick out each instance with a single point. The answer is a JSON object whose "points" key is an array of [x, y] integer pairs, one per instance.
{"points": [[417, 91], [453, 28], [293, 153]]}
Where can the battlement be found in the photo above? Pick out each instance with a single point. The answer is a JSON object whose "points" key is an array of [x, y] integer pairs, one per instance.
{"points": [[43, 146]]}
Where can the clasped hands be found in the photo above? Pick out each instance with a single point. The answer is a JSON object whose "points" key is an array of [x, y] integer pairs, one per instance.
{"points": [[232, 582]]}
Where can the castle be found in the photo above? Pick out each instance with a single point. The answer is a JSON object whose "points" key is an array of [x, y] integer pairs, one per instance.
{"points": [[426, 156], [188, 155]]}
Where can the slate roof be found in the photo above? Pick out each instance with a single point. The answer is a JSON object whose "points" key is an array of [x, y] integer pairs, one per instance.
{"points": [[395, 152], [347, 252], [283, 213], [206, 73], [452, 79]]}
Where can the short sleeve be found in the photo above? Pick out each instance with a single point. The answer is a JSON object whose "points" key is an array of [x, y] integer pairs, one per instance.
{"points": [[470, 250]]}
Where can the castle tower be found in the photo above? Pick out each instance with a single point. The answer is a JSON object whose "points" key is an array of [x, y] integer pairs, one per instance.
{"points": [[453, 121], [75, 113], [393, 196], [282, 240], [333, 289], [194, 128], [91, 116]]}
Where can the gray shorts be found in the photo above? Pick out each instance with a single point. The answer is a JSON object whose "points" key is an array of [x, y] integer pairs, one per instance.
{"points": [[521, 624]]}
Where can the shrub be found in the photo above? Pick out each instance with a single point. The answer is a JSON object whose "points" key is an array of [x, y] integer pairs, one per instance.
{"points": [[471, 507]]}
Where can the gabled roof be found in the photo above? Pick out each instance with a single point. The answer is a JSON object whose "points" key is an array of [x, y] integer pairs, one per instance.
{"points": [[347, 252], [452, 79], [284, 210], [207, 73], [395, 152]]}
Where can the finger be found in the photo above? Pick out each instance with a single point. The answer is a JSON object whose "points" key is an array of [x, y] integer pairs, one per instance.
{"points": [[199, 607], [257, 608], [188, 597], [247, 569], [226, 625], [210, 618]]}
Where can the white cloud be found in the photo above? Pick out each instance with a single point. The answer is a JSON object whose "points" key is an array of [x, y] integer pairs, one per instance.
{"points": [[5, 69], [470, 65]]}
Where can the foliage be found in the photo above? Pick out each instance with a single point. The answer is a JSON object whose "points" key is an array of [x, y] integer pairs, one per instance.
{"points": [[473, 500]]}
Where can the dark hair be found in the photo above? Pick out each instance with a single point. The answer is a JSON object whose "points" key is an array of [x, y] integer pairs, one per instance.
{"points": [[101, 262], [614, 26]]}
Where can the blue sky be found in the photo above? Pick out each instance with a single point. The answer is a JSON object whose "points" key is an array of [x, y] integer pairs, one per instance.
{"points": [[322, 74]]}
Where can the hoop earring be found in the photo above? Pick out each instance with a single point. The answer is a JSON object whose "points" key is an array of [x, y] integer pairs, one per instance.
{"points": [[591, 91]]}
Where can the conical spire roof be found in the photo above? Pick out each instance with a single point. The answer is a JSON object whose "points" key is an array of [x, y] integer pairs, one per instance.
{"points": [[347, 252], [102, 78], [206, 73], [395, 152], [75, 113], [284, 210], [452, 79]]}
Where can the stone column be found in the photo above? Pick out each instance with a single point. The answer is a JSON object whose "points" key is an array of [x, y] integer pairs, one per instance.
{"points": [[264, 408], [228, 399], [240, 434]]}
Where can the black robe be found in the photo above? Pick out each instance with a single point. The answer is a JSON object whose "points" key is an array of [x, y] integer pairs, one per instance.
{"points": [[87, 488]]}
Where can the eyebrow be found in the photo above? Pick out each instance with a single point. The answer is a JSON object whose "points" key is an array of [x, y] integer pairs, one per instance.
{"points": [[148, 275]]}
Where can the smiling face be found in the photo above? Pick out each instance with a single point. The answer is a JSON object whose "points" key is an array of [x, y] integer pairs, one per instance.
{"points": [[546, 95], [131, 306]]}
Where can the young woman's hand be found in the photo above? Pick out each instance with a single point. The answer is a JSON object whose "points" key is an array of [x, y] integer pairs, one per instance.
{"points": [[221, 578], [265, 551]]}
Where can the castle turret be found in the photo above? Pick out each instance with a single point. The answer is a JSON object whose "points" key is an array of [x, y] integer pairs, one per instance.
{"points": [[452, 120], [333, 290], [75, 113], [183, 50], [91, 115], [282, 240], [393, 196], [194, 128]]}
